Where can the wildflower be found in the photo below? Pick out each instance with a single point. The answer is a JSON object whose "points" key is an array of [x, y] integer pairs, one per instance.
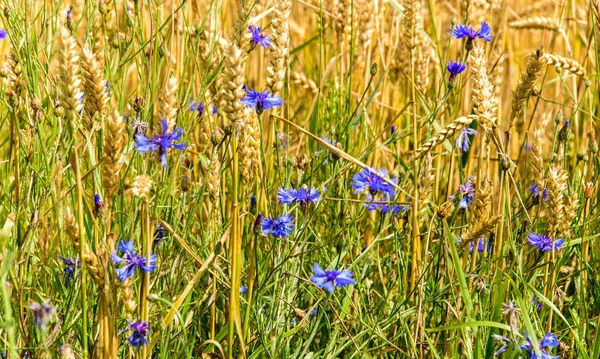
{"points": [[98, 204], [139, 333], [565, 132], [535, 192], [252, 208], [132, 261], [506, 344], [258, 38], [480, 245], [328, 279], [70, 266], [467, 194], [537, 303], [42, 313], [244, 289], [372, 181], [313, 312], [302, 195], [279, 227], [462, 30], [393, 130], [543, 242], [213, 110], [384, 207], [548, 341], [197, 106], [261, 101], [159, 233], [455, 68], [462, 141], [3, 34], [163, 142]]}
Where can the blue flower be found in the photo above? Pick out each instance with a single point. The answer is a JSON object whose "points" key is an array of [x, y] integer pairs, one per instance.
{"points": [[480, 245], [302, 195], [393, 129], [543, 242], [548, 341], [261, 101], [139, 333], [535, 192], [42, 313], [197, 106], [279, 227], [395, 209], [244, 289], [70, 266], [467, 194], [159, 233], [538, 303], [328, 279], [131, 261], [462, 30], [161, 142], [313, 312], [98, 204], [258, 38], [3, 34], [455, 68], [372, 181], [462, 141]]}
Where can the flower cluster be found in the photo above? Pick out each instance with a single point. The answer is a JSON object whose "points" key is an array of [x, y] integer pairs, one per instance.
{"points": [[548, 341], [465, 195], [131, 261], [139, 333], [329, 279], [70, 265]]}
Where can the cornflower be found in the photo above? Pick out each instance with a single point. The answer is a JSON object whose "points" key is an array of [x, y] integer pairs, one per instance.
{"points": [[370, 180], [139, 333], [544, 242], [261, 101], [43, 313], [70, 266], [258, 38], [279, 227], [132, 261], [302, 195], [329, 279], [162, 142], [462, 141], [467, 194]]}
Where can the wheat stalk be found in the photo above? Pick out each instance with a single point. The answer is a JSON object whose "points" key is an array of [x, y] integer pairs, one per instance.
{"points": [[115, 140], [69, 91]]}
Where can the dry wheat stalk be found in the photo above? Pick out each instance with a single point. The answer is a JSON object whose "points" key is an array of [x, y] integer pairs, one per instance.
{"points": [[233, 83], [444, 134], [483, 91], [115, 140], [69, 90], [426, 188], [167, 105], [280, 37], [526, 83], [249, 145], [94, 86], [301, 80], [557, 185], [566, 64]]}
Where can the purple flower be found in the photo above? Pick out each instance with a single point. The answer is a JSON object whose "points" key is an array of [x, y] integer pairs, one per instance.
{"points": [[328, 279], [535, 192], [455, 68], [393, 129], [139, 333], [161, 142], [3, 34], [70, 265], [302, 195], [543, 242], [372, 181], [42, 313], [261, 101], [548, 341], [480, 245], [258, 38], [467, 194], [462, 141], [538, 303], [462, 30], [279, 227], [159, 233], [197, 106], [131, 261]]}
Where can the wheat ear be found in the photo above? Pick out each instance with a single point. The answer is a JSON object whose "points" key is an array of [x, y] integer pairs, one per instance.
{"points": [[115, 140], [566, 64], [484, 98], [69, 84], [279, 46], [526, 83], [443, 135], [94, 85]]}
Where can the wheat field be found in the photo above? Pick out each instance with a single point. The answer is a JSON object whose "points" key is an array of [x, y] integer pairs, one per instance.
{"points": [[299, 179]]}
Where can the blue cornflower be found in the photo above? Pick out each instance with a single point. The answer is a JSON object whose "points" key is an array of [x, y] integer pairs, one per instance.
{"points": [[372, 181], [132, 261], [139, 333], [462, 30], [3, 34], [98, 204], [197, 106], [70, 265], [462, 141], [161, 142], [279, 227], [393, 129], [467, 194], [535, 192], [538, 303], [302, 195], [42, 313], [543, 242], [261, 101], [159, 233], [244, 289], [455, 68], [481, 244], [548, 341], [258, 38], [328, 279], [313, 312]]}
